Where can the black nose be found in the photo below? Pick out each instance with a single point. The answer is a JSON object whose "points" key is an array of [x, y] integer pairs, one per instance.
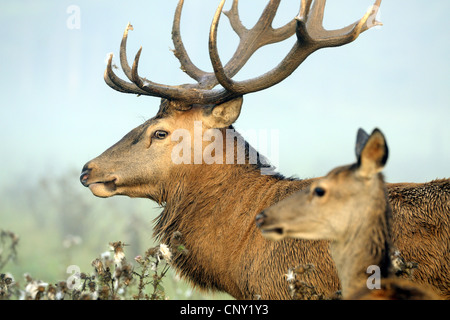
{"points": [[85, 175], [260, 219]]}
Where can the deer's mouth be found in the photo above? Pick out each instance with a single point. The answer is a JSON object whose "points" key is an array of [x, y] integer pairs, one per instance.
{"points": [[103, 188], [273, 232], [269, 230]]}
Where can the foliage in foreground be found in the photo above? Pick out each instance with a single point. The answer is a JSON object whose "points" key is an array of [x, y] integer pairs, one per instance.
{"points": [[113, 276]]}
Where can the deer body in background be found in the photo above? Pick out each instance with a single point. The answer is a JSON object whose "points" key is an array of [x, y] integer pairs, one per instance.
{"points": [[350, 208], [214, 205]]}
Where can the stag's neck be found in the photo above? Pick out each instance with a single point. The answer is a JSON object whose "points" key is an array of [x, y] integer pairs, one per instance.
{"points": [[214, 208], [206, 190], [368, 245]]}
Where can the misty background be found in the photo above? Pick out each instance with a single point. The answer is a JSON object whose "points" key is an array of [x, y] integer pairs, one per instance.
{"points": [[57, 113]]}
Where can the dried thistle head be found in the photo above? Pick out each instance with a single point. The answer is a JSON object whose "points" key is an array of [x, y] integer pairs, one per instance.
{"points": [[35, 289], [62, 286], [176, 239], [51, 292], [164, 252], [299, 289], [103, 292], [98, 266], [402, 267], [119, 254], [177, 243], [290, 275], [92, 286], [151, 252], [6, 281], [139, 259]]}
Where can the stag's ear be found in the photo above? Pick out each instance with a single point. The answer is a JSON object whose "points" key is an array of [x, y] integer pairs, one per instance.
{"points": [[224, 114], [373, 153]]}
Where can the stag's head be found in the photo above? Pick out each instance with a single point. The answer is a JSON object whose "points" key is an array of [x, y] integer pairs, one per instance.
{"points": [[140, 163]]}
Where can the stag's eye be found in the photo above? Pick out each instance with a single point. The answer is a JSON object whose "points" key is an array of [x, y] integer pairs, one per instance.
{"points": [[319, 192], [160, 134]]}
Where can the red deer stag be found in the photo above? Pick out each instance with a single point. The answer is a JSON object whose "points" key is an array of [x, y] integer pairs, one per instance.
{"points": [[350, 208], [214, 205]]}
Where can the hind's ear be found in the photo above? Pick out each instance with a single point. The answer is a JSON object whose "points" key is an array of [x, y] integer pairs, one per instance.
{"points": [[373, 155], [224, 114], [361, 140]]}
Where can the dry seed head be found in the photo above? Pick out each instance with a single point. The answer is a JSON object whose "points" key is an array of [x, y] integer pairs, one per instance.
{"points": [[98, 266], [152, 252], [62, 285], [91, 286], [51, 292], [176, 239], [165, 252], [290, 276], [35, 289], [105, 256], [27, 277], [139, 259], [119, 255]]}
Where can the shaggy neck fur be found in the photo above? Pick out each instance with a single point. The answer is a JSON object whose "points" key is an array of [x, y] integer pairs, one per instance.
{"points": [[204, 209]]}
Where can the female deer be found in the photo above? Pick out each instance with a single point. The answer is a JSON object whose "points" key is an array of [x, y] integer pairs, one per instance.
{"points": [[350, 207]]}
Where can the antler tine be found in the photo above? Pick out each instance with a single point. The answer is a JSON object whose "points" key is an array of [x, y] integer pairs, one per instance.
{"points": [[311, 37], [233, 16], [265, 22], [310, 27], [118, 84], [223, 79], [142, 86], [123, 52], [305, 7], [250, 39], [115, 82], [158, 90], [180, 52]]}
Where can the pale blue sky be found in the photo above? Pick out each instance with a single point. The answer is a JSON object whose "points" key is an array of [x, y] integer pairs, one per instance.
{"points": [[57, 112]]}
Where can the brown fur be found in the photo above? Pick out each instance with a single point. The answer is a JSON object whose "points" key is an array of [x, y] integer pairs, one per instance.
{"points": [[421, 223], [214, 207]]}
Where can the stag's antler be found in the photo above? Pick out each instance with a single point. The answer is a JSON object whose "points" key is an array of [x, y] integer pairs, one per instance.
{"points": [[311, 36]]}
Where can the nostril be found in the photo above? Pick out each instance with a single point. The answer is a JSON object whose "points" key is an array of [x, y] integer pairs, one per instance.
{"points": [[84, 176], [260, 219]]}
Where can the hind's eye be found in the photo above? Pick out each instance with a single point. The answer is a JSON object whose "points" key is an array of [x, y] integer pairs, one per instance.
{"points": [[318, 191], [160, 134]]}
